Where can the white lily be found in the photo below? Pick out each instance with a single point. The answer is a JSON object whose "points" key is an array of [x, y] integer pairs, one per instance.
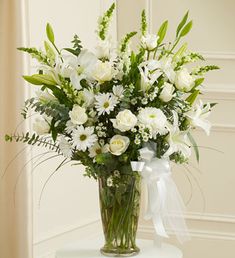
{"points": [[150, 72], [178, 140], [197, 116]]}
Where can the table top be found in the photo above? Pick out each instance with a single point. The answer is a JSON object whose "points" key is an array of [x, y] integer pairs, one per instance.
{"points": [[90, 248]]}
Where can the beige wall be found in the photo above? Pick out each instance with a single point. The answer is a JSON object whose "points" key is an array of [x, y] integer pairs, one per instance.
{"points": [[211, 222]]}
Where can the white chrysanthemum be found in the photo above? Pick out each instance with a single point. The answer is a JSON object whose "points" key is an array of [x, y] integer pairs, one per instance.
{"points": [[83, 138], [65, 147], [154, 118], [98, 149], [105, 103], [118, 91]]}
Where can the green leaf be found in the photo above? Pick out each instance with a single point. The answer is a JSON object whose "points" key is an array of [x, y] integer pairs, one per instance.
{"points": [[213, 104], [182, 23], [186, 29], [198, 82], [50, 33], [40, 79], [194, 144], [192, 97], [162, 32], [180, 52]]}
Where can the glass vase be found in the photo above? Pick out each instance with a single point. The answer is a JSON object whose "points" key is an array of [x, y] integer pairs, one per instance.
{"points": [[119, 205]]}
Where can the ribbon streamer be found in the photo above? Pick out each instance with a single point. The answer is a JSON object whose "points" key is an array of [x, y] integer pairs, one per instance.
{"points": [[165, 205]]}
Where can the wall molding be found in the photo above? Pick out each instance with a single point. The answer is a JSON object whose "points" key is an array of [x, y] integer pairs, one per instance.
{"points": [[218, 55], [219, 91], [149, 233], [211, 217]]}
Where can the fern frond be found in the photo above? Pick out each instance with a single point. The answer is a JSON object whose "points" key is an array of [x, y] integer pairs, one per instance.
{"points": [[34, 140]]}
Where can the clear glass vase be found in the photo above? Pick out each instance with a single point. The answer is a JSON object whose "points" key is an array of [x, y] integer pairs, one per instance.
{"points": [[120, 205]]}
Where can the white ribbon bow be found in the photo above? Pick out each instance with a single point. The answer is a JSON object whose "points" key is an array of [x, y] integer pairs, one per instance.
{"points": [[165, 205]]}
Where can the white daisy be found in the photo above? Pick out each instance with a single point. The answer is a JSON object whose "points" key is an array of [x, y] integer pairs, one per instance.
{"points": [[97, 149], [105, 103], [83, 138], [65, 147]]}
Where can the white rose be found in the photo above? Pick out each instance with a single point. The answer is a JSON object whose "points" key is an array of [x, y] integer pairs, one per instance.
{"points": [[184, 81], [78, 115], [41, 126], [118, 144], [149, 41], [124, 121], [167, 92], [102, 71]]}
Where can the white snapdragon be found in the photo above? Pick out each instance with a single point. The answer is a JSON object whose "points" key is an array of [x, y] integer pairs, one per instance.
{"points": [[167, 92], [149, 41], [78, 115], [125, 120], [197, 116], [118, 144], [103, 71], [183, 80]]}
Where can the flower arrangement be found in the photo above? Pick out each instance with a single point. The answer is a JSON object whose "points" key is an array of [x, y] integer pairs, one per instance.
{"points": [[112, 107]]}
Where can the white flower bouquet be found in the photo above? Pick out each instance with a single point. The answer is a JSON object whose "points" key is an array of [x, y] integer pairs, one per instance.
{"points": [[120, 113]]}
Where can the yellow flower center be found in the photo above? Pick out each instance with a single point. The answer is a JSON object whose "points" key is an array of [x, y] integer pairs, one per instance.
{"points": [[106, 104], [98, 151], [152, 116], [83, 137]]}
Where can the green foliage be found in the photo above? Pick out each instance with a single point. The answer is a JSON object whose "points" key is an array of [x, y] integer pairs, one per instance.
{"points": [[194, 144], [50, 52], [192, 97], [77, 46], [181, 24], [126, 40], [39, 55], [50, 33], [40, 79], [186, 29], [33, 139], [204, 69], [104, 23], [144, 25], [162, 32]]}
